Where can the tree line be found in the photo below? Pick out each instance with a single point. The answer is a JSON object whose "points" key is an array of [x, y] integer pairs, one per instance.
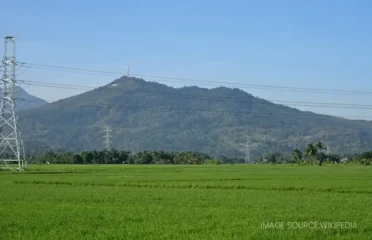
{"points": [[312, 154], [114, 156]]}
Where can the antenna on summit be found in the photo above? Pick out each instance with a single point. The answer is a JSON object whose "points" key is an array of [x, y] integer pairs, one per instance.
{"points": [[128, 67]]}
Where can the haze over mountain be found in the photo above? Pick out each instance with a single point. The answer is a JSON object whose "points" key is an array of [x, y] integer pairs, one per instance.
{"points": [[148, 116], [26, 100]]}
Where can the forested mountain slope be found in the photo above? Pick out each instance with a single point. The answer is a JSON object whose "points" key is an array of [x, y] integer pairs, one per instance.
{"points": [[148, 116]]}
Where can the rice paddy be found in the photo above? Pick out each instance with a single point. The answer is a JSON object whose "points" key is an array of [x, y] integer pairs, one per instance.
{"points": [[186, 202]]}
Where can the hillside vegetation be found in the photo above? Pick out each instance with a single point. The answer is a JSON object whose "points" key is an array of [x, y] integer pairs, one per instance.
{"points": [[152, 116]]}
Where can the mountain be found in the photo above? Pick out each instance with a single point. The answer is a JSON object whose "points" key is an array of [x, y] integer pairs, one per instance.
{"points": [[149, 115], [25, 100]]}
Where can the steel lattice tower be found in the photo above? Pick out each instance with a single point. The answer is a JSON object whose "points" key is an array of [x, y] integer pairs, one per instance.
{"points": [[107, 141], [247, 155], [11, 144]]}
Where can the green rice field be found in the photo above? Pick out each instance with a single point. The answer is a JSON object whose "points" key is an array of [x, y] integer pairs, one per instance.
{"points": [[186, 202]]}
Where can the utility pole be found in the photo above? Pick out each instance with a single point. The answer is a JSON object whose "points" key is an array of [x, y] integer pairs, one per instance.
{"points": [[247, 155], [296, 143], [107, 141], [11, 143], [328, 150]]}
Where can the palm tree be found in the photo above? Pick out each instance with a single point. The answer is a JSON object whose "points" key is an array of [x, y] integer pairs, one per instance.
{"points": [[297, 155], [319, 146], [311, 150]]}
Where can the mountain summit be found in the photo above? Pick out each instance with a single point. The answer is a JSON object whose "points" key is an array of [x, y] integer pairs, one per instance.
{"points": [[148, 116]]}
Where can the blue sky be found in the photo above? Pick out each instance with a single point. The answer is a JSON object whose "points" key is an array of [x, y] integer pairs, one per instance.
{"points": [[318, 44]]}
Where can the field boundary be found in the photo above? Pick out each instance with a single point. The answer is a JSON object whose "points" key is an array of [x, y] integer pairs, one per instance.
{"points": [[197, 186]]}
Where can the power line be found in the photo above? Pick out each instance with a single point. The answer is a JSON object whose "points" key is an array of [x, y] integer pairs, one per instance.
{"points": [[211, 98], [51, 67], [24, 71], [175, 79], [55, 85]]}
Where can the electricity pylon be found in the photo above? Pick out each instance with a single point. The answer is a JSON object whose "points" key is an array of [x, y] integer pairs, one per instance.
{"points": [[11, 144], [107, 141], [247, 155]]}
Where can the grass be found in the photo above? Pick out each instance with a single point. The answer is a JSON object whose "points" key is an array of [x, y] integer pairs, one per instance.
{"points": [[184, 202]]}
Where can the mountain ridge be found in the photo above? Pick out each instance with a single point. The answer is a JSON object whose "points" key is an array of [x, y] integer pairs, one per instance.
{"points": [[25, 100], [149, 116]]}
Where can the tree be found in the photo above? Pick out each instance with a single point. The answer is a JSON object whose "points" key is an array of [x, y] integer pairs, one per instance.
{"points": [[321, 157], [66, 158], [190, 158], [319, 145], [124, 157], [88, 157], [114, 157], [131, 158], [106, 156], [49, 156], [77, 159], [271, 157], [311, 150], [96, 156], [161, 157], [144, 157], [314, 150], [297, 155]]}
